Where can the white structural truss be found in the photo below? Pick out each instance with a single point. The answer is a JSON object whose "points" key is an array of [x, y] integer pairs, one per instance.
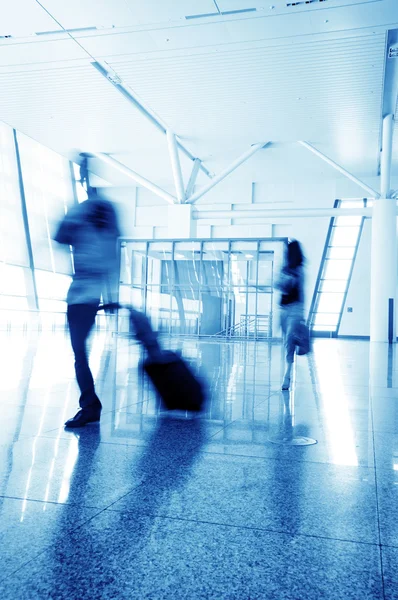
{"points": [[192, 179], [176, 166], [232, 167], [187, 195], [282, 213], [372, 193], [133, 175], [182, 196]]}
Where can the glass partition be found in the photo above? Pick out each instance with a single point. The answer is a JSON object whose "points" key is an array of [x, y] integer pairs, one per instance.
{"points": [[218, 288]]}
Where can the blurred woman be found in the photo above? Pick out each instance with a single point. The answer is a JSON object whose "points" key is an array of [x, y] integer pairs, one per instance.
{"points": [[92, 230], [291, 284]]}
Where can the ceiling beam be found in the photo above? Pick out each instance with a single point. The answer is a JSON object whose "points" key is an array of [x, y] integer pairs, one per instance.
{"points": [[281, 213], [329, 161], [176, 166], [132, 175], [232, 167], [117, 83], [192, 179]]}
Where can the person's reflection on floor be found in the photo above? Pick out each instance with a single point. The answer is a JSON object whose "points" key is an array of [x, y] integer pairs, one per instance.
{"points": [[88, 441], [285, 430], [288, 475], [286, 422], [77, 565]]}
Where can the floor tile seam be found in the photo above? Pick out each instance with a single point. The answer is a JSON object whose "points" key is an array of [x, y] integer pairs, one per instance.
{"points": [[79, 504], [243, 527], [392, 546], [144, 481], [236, 420], [103, 413], [376, 478], [25, 564], [383, 588], [102, 442], [284, 460], [46, 548], [52, 502], [45, 435], [287, 459]]}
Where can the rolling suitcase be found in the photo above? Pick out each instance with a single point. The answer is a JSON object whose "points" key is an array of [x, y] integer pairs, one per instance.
{"points": [[170, 375], [175, 382]]}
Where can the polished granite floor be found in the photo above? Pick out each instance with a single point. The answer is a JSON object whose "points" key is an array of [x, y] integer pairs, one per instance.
{"points": [[226, 506]]}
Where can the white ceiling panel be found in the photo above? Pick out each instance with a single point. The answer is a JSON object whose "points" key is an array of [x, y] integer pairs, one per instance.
{"points": [[76, 109], [23, 18], [285, 6], [89, 13], [163, 11], [114, 44], [121, 13], [224, 101], [221, 83], [36, 52], [213, 34]]}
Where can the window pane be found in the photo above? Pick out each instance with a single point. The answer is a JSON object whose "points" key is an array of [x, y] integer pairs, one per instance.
{"points": [[215, 268], [12, 280], [337, 269], [159, 253], [341, 253], [49, 194], [324, 328], [326, 319], [351, 204], [13, 248], [13, 303], [348, 221], [187, 266], [54, 306], [81, 193], [333, 285], [52, 286], [344, 236], [330, 303]]}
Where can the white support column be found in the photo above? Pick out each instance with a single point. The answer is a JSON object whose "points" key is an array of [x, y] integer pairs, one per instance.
{"points": [[180, 222], [383, 286], [176, 166]]}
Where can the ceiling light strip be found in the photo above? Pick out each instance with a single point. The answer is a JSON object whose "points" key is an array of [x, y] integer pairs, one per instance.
{"points": [[221, 13]]}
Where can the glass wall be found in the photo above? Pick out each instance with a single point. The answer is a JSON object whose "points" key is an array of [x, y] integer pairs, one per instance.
{"points": [[336, 269], [217, 288], [36, 191], [15, 272], [48, 194]]}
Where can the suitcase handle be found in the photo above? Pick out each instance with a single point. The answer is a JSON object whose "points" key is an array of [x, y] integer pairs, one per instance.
{"points": [[142, 328]]}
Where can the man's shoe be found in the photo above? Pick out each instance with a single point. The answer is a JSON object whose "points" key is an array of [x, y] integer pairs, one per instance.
{"points": [[83, 417]]}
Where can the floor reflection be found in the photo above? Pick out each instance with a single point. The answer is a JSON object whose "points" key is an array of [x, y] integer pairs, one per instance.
{"points": [[242, 463]]}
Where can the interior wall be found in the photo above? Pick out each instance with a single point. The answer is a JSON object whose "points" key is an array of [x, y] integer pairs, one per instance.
{"points": [[357, 322]]}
